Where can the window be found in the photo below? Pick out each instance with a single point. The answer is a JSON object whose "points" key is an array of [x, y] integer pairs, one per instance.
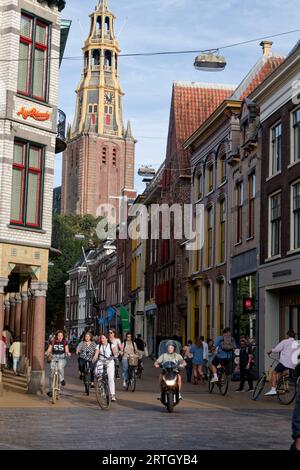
{"points": [[222, 171], [207, 310], [199, 183], [222, 229], [26, 200], [252, 184], [221, 322], [276, 149], [240, 201], [296, 136], [33, 57], [296, 215], [210, 178], [209, 236], [104, 153], [275, 224]]}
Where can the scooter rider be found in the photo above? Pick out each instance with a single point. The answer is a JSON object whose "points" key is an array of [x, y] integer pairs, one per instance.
{"points": [[171, 356]]}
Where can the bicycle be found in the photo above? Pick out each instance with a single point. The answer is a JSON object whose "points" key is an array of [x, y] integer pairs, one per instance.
{"points": [[286, 386], [87, 376], [223, 380], [133, 362], [102, 388], [55, 382], [140, 368]]}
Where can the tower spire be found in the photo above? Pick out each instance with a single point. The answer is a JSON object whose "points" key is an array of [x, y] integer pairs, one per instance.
{"points": [[103, 5]]}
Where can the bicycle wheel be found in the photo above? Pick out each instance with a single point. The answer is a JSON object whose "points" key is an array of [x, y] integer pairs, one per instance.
{"points": [[286, 390], [260, 385], [133, 381], [55, 389], [170, 404], [87, 381], [102, 394], [223, 383], [139, 372]]}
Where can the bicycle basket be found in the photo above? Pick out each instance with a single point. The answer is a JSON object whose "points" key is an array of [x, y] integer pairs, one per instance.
{"points": [[133, 360]]}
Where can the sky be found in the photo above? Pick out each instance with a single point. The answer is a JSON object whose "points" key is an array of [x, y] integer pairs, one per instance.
{"points": [[172, 25]]}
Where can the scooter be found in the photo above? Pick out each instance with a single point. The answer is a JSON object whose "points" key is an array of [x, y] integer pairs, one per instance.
{"points": [[169, 385]]}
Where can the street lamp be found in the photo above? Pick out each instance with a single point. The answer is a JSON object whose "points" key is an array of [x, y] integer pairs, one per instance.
{"points": [[210, 61]]}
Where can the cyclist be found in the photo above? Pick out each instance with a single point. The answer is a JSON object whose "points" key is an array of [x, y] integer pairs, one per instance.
{"points": [[287, 349], [59, 349], [117, 344], [225, 346], [171, 356], [105, 352], [86, 350], [128, 348]]}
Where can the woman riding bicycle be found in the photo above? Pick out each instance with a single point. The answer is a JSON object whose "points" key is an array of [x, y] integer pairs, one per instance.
{"points": [[86, 351], [105, 353], [59, 349], [128, 348]]}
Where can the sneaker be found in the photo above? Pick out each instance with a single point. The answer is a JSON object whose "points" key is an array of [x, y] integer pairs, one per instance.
{"points": [[239, 390], [49, 394], [180, 396], [214, 380], [271, 393], [124, 384], [81, 377], [113, 398], [92, 385], [63, 382]]}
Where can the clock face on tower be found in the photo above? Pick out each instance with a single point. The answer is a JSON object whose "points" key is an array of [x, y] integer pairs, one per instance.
{"points": [[109, 97]]}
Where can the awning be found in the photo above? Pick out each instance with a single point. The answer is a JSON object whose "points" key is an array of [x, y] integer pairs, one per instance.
{"points": [[124, 314]]}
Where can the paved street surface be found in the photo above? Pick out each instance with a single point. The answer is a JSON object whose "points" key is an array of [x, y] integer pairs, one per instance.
{"points": [[139, 421]]}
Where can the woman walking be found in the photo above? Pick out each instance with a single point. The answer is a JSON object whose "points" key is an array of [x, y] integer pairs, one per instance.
{"points": [[198, 361]]}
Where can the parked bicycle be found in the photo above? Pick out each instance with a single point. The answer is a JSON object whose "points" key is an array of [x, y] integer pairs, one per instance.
{"points": [[286, 387], [102, 388], [223, 380]]}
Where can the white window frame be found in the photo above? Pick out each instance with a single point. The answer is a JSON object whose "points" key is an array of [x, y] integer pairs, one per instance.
{"points": [[269, 225], [279, 123], [292, 137]]}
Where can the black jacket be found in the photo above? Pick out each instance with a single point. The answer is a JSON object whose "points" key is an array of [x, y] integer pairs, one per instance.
{"points": [[296, 418]]}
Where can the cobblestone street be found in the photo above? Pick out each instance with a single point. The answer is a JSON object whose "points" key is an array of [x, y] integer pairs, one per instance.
{"points": [[138, 421]]}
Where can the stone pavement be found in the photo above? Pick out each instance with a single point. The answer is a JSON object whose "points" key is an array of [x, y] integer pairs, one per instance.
{"points": [[139, 421]]}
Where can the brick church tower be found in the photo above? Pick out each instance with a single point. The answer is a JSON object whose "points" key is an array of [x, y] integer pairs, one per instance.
{"points": [[98, 165]]}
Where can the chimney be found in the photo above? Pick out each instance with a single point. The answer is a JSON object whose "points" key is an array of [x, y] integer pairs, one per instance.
{"points": [[266, 47]]}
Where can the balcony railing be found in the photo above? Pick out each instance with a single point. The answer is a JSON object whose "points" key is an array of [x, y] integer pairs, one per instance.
{"points": [[61, 144]]}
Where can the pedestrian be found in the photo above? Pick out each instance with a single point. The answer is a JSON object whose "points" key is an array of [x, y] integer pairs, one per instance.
{"points": [[9, 341], [188, 357], [296, 424], [105, 352], [128, 348], [116, 342], [59, 350], [16, 350], [2, 352], [205, 355], [246, 365], [86, 351], [197, 361]]}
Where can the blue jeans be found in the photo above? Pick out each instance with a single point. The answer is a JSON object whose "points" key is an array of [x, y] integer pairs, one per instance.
{"points": [[125, 368], [16, 362]]}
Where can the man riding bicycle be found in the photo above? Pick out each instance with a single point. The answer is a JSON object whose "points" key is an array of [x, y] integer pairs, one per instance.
{"points": [[288, 358], [225, 346]]}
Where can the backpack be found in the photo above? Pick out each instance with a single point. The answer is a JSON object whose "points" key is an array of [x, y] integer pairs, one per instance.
{"points": [[227, 344]]}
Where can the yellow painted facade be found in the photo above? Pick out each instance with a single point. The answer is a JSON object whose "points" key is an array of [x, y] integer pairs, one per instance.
{"points": [[25, 260]]}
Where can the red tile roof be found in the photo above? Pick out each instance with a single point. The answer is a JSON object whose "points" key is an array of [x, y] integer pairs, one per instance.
{"points": [[192, 104], [262, 69]]}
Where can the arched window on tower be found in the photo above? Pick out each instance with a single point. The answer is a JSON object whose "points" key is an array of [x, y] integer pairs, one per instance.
{"points": [[99, 26], [104, 155], [86, 61], [95, 58], [107, 61], [114, 157], [107, 24]]}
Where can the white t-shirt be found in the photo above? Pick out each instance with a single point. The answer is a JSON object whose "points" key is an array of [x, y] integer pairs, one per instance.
{"points": [[117, 344], [105, 352], [289, 350]]}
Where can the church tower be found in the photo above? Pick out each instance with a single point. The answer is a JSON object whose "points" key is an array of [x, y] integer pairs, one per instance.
{"points": [[98, 165]]}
